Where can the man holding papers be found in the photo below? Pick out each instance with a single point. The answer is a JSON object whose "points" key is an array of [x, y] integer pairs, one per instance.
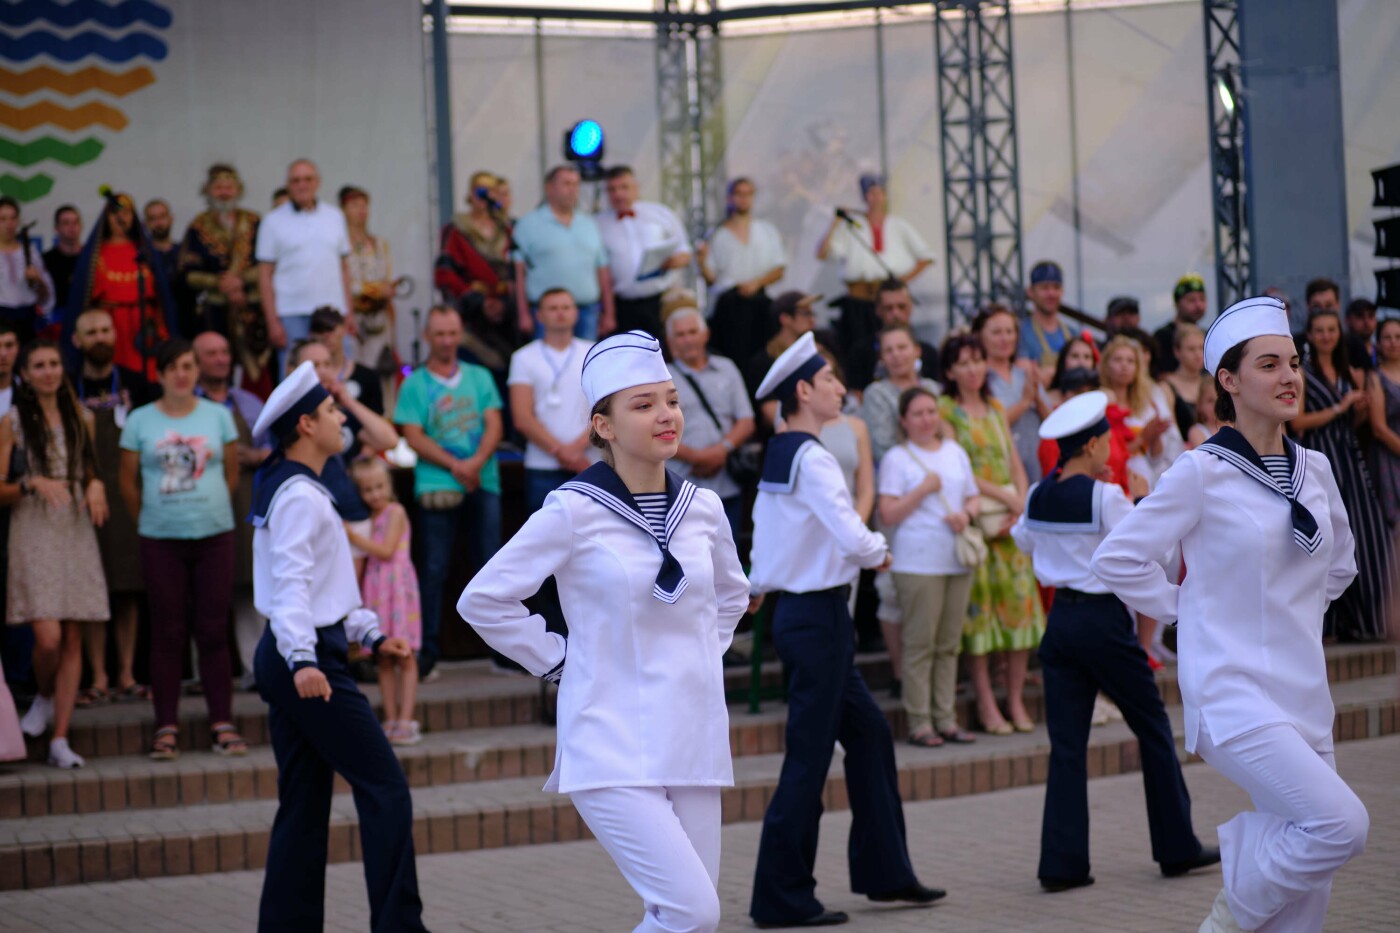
{"points": [[645, 242]]}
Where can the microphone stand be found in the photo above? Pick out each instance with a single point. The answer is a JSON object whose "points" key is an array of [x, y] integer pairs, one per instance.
{"points": [[869, 248]]}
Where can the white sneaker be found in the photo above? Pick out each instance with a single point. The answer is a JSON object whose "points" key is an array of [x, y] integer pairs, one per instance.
{"points": [[1100, 714], [1220, 919], [61, 756], [39, 717], [408, 733]]}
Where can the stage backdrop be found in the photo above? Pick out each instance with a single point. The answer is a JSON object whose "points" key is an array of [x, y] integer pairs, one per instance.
{"points": [[801, 110], [144, 94]]}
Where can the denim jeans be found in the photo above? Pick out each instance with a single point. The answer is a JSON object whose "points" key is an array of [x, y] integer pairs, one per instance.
{"points": [[540, 483], [480, 512], [298, 327], [587, 326]]}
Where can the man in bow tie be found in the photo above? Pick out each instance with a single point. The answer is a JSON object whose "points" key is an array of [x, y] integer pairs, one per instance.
{"points": [[638, 235]]}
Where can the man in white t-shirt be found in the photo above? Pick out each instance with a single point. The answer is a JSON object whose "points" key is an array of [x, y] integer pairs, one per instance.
{"points": [[630, 230], [547, 400], [301, 253]]}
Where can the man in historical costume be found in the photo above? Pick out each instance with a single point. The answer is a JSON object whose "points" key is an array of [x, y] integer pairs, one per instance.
{"points": [[217, 266]]}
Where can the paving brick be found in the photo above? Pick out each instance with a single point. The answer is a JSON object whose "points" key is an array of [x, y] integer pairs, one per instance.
{"points": [[150, 857], [232, 851], [63, 796], [11, 801], [517, 827], [121, 859], [38, 867], [441, 834], [178, 854], [466, 829], [493, 829], [255, 847], [92, 857], [11, 868]]}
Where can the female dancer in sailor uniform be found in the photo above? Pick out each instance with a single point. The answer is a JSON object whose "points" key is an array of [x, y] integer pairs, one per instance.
{"points": [[1089, 646], [304, 583], [652, 590], [1267, 547], [808, 545]]}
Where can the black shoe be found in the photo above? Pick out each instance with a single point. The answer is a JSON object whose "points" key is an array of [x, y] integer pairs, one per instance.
{"points": [[1210, 855], [425, 667], [896, 689], [827, 918], [1056, 885], [913, 894]]}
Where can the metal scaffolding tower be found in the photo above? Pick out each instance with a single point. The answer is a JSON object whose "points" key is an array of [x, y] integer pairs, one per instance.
{"points": [[981, 179], [690, 110], [1229, 189]]}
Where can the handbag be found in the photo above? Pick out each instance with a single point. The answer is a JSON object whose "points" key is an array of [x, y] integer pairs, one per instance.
{"points": [[744, 463], [970, 545]]}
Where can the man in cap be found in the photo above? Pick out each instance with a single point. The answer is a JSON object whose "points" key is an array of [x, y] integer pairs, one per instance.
{"points": [[1123, 315], [320, 724], [1189, 295], [1045, 334], [1089, 646], [808, 544]]}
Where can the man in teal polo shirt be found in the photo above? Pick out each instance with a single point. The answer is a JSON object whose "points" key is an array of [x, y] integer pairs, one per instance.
{"points": [[559, 247], [450, 414]]}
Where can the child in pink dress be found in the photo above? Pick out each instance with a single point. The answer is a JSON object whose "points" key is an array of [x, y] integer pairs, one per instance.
{"points": [[390, 588]]}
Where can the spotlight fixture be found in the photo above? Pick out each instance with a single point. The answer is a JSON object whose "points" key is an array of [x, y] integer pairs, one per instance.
{"points": [[583, 146]]}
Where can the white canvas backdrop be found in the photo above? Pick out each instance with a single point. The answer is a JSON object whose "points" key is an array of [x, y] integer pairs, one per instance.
{"points": [[801, 113]]}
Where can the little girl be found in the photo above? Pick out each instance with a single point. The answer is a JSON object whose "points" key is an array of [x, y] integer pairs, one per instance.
{"points": [[1206, 423], [390, 587]]}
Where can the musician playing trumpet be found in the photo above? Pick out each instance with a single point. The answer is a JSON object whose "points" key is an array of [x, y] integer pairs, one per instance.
{"points": [[872, 246]]}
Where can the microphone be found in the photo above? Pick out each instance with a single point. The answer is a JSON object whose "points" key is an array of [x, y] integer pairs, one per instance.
{"points": [[845, 215], [484, 194]]}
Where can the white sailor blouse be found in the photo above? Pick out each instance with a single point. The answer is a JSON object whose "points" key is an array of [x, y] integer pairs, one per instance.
{"points": [[641, 683], [303, 574], [807, 535], [1262, 563]]}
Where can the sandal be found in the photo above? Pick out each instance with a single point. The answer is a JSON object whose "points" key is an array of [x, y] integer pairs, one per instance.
{"points": [[926, 740], [136, 693], [93, 696], [166, 746], [227, 741], [958, 736]]}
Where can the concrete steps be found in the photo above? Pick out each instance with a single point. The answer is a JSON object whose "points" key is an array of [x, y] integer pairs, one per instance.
{"points": [[477, 786]]}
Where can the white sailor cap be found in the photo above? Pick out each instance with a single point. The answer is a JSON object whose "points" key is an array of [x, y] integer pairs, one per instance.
{"points": [[1076, 422], [621, 362], [1252, 317], [799, 362], [301, 393]]}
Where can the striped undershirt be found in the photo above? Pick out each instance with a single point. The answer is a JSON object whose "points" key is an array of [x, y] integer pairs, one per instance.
{"points": [[1277, 465], [653, 506]]}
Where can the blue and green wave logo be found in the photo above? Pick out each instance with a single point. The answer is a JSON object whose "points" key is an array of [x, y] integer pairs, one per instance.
{"points": [[56, 110]]}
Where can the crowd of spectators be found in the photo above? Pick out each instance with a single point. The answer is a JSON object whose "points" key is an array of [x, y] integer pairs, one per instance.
{"points": [[132, 364]]}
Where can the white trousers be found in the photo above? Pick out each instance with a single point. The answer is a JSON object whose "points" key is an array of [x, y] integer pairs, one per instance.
{"points": [[665, 841], [1278, 861]]}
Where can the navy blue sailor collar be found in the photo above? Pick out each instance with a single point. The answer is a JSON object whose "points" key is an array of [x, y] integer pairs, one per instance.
{"points": [[272, 478], [1231, 446], [782, 458], [1065, 505], [601, 483]]}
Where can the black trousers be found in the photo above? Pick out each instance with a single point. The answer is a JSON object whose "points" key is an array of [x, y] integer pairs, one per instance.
{"points": [[1089, 645], [313, 740], [827, 701], [640, 314]]}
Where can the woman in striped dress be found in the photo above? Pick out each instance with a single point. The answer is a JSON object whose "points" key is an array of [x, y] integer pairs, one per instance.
{"points": [[1334, 406]]}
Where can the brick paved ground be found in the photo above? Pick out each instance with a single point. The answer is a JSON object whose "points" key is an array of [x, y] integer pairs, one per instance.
{"points": [[982, 848]]}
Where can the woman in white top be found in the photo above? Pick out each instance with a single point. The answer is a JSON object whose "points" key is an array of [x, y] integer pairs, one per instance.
{"points": [[1265, 537], [742, 258], [928, 495], [652, 590], [26, 291]]}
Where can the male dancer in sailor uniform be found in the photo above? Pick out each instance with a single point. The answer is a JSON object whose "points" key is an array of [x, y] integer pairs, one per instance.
{"points": [[652, 590], [1266, 542], [808, 544], [1089, 646], [304, 583]]}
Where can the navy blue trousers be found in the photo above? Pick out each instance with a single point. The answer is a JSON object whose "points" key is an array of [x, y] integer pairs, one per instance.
{"points": [[1089, 646], [313, 739], [827, 701]]}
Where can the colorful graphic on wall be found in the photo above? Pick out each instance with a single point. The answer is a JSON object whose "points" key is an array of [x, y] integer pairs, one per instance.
{"points": [[52, 116]]}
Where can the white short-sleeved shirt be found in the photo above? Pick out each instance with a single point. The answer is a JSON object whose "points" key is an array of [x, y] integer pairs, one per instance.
{"points": [[556, 376], [901, 249], [924, 543], [734, 261], [307, 247], [627, 239]]}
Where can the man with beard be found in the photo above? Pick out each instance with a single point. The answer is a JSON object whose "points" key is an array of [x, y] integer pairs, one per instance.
{"points": [[159, 220], [110, 393], [1189, 296], [62, 259], [217, 266], [215, 360]]}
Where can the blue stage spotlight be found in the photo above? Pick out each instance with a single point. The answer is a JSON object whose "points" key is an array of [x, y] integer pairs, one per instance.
{"points": [[583, 145]]}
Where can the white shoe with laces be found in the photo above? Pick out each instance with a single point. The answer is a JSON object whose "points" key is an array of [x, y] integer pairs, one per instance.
{"points": [[61, 756], [1221, 920], [39, 717]]}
